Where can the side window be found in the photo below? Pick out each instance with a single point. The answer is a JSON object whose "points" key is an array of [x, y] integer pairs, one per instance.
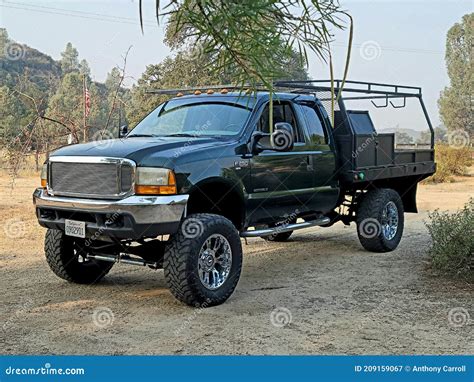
{"points": [[316, 131], [282, 112]]}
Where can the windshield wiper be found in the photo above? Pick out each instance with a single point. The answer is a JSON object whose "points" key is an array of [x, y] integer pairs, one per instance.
{"points": [[142, 135], [183, 135]]}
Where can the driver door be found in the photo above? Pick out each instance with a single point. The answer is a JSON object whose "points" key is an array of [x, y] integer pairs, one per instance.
{"points": [[282, 183]]}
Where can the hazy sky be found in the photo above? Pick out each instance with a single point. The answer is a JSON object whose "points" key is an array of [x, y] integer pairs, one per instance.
{"points": [[394, 41]]}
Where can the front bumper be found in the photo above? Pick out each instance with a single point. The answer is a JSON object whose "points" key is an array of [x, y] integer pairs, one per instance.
{"points": [[133, 217]]}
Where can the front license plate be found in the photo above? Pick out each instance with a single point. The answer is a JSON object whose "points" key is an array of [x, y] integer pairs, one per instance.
{"points": [[75, 228]]}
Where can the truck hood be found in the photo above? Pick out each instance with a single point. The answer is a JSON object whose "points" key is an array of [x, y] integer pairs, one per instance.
{"points": [[156, 151]]}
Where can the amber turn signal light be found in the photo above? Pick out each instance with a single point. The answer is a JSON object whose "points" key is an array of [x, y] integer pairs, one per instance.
{"points": [[159, 189]]}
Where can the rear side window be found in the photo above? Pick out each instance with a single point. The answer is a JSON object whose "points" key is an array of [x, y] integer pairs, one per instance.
{"points": [[316, 131]]}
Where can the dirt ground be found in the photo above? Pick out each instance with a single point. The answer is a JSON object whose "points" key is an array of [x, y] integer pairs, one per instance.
{"points": [[319, 293]]}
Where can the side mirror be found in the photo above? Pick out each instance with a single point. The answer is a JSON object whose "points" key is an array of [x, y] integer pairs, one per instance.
{"points": [[123, 131], [282, 138]]}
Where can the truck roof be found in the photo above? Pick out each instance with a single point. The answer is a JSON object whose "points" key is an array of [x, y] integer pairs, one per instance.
{"points": [[235, 95]]}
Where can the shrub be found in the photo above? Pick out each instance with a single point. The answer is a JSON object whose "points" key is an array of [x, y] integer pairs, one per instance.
{"points": [[452, 249], [450, 161]]}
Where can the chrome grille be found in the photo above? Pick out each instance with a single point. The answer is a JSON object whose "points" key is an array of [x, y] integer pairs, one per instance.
{"points": [[91, 177]]}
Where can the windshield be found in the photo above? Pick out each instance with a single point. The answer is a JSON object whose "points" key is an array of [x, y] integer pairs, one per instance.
{"points": [[191, 118]]}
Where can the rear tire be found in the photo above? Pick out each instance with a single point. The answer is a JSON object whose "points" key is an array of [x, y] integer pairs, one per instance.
{"points": [[66, 258], [203, 260], [380, 220]]}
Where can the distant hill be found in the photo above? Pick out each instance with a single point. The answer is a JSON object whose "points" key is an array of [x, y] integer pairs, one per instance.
{"points": [[412, 133], [17, 59]]}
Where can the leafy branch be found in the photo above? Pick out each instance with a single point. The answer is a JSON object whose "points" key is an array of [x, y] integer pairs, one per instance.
{"points": [[252, 36]]}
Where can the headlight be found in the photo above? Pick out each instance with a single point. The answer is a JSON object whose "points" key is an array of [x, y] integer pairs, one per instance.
{"points": [[44, 175], [155, 181]]}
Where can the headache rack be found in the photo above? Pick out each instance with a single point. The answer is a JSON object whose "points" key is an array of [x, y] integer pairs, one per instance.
{"points": [[364, 155]]}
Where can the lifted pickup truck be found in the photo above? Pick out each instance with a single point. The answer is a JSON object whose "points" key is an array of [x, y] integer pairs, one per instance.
{"points": [[204, 170]]}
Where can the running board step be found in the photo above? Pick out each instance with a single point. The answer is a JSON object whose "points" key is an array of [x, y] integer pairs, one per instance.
{"points": [[285, 228]]}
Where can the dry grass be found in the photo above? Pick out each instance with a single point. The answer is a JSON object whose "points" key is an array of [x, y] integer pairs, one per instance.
{"points": [[27, 164], [450, 162]]}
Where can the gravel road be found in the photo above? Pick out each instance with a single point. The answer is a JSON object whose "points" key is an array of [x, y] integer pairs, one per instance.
{"points": [[319, 293]]}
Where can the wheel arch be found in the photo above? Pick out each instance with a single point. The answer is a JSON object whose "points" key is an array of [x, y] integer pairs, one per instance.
{"points": [[406, 189], [218, 196]]}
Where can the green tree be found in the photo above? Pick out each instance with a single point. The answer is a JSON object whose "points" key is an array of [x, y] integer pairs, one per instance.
{"points": [[403, 138], [66, 107], [116, 101], [441, 134], [186, 69], [182, 70], [84, 68], [456, 104], [69, 59], [12, 115], [253, 37]]}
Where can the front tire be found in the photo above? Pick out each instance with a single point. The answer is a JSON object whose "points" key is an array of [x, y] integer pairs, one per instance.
{"points": [[380, 220], [66, 256], [203, 260]]}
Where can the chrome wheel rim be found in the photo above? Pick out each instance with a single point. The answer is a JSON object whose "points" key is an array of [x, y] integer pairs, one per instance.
{"points": [[215, 261], [390, 220]]}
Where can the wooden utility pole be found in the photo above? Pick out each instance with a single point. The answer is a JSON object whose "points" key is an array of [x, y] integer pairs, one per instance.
{"points": [[85, 106]]}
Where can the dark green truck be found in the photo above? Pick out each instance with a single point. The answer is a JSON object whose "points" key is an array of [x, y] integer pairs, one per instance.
{"points": [[202, 170]]}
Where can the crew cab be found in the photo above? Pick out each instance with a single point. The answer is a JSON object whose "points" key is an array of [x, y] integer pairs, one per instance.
{"points": [[213, 165]]}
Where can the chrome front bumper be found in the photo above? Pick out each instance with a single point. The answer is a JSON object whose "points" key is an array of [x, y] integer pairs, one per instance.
{"points": [[150, 214]]}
